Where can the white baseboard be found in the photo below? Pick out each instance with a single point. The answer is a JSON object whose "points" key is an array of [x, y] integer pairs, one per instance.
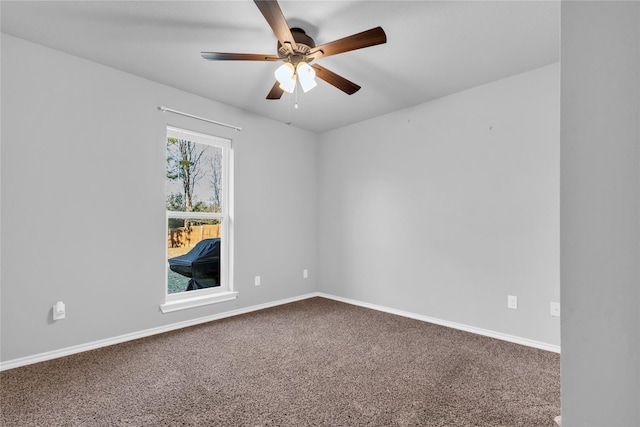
{"points": [[453, 325], [41, 357]]}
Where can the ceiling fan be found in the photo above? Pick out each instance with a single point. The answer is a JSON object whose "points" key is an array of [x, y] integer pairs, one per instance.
{"points": [[297, 50]]}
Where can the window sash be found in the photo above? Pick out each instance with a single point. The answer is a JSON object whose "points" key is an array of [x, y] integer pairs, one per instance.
{"points": [[224, 258], [197, 215]]}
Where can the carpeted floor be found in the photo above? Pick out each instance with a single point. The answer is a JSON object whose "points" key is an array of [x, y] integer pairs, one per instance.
{"points": [[316, 362]]}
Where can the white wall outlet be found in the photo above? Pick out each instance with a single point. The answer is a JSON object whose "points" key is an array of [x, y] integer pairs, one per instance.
{"points": [[512, 302], [257, 281], [305, 274], [59, 311], [555, 309]]}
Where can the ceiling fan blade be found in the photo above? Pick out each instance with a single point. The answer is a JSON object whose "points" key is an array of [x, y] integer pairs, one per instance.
{"points": [[367, 38], [221, 56], [332, 78], [275, 18], [276, 91]]}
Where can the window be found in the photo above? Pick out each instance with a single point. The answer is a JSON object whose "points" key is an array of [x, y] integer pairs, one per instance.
{"points": [[198, 221]]}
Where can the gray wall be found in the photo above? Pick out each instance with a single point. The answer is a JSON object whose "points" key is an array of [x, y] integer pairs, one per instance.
{"points": [[600, 215], [446, 208], [442, 209], [83, 201]]}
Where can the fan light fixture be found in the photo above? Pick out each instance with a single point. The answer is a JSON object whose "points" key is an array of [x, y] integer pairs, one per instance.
{"points": [[307, 76], [286, 76]]}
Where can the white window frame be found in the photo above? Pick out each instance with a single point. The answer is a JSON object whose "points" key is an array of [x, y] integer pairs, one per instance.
{"points": [[224, 292]]}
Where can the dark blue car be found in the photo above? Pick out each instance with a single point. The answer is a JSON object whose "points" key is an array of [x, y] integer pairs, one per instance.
{"points": [[201, 264]]}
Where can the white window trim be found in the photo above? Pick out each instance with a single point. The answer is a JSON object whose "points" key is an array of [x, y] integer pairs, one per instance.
{"points": [[198, 300], [200, 297], [198, 137]]}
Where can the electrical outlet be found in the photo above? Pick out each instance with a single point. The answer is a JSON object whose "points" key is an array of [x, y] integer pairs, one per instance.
{"points": [[512, 302], [555, 309], [257, 281], [305, 274], [59, 311]]}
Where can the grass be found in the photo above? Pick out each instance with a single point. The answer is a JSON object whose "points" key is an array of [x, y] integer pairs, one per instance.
{"points": [[176, 282]]}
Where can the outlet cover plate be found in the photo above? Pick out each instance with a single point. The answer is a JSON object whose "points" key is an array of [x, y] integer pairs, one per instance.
{"points": [[555, 309], [59, 311], [512, 302]]}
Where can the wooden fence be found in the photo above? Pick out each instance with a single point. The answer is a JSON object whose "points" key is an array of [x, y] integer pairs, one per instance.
{"points": [[187, 237]]}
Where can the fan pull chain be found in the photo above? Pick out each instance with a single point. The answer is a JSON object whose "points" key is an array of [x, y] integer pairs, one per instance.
{"points": [[289, 108]]}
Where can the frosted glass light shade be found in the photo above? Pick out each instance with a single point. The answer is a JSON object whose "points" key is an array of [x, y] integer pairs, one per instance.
{"points": [[286, 76], [307, 76]]}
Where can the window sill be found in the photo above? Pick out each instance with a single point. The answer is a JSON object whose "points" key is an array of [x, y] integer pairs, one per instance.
{"points": [[190, 302]]}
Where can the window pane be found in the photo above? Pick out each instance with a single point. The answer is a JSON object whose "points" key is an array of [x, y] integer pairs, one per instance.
{"points": [[194, 176], [193, 249]]}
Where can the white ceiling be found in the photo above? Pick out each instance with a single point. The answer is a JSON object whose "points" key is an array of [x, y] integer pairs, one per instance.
{"points": [[434, 48]]}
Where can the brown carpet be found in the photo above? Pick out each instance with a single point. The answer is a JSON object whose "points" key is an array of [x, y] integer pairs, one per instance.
{"points": [[315, 362]]}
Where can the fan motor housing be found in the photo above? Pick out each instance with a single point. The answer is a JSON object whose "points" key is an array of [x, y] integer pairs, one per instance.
{"points": [[304, 44]]}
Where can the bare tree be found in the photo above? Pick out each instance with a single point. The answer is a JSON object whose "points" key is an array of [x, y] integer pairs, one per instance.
{"points": [[216, 181], [183, 164]]}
